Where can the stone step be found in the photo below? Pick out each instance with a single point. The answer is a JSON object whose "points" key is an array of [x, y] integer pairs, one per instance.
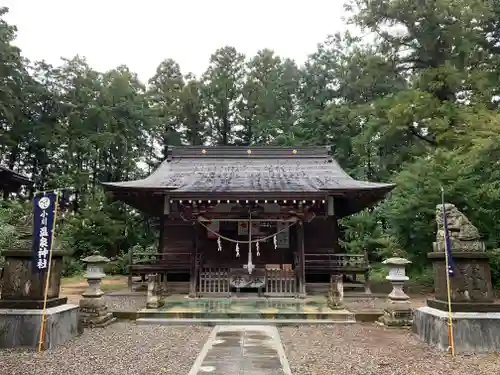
{"points": [[350, 290], [212, 322], [183, 314]]}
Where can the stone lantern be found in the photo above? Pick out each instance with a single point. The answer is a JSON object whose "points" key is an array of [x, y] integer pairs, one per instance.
{"points": [[397, 277], [93, 309], [398, 312]]}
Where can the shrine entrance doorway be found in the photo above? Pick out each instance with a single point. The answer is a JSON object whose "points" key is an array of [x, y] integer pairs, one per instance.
{"points": [[259, 262]]}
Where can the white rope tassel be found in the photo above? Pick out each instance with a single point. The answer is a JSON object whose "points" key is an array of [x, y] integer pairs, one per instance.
{"points": [[219, 244], [257, 247], [237, 250], [275, 242]]}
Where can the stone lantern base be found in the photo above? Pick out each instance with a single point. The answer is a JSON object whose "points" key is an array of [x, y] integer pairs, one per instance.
{"points": [[94, 313], [397, 315]]}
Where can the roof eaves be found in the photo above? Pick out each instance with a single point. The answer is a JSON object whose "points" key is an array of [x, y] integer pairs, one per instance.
{"points": [[16, 176], [242, 152]]}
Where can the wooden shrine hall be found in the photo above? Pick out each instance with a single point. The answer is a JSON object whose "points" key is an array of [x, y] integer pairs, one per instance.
{"points": [[11, 181], [237, 219]]}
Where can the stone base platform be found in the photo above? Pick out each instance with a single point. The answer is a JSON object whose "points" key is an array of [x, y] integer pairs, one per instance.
{"points": [[473, 332], [474, 307], [32, 304], [21, 328], [208, 310]]}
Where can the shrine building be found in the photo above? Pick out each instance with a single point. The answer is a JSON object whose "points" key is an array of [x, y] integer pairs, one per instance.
{"points": [[237, 220], [11, 181]]}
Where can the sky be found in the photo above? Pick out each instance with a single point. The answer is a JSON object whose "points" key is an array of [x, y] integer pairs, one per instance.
{"points": [[140, 34]]}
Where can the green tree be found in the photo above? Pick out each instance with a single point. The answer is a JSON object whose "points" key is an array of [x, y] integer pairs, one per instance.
{"points": [[222, 84]]}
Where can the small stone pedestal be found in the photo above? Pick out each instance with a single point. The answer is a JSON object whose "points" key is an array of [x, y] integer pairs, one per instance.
{"points": [[471, 288], [93, 309], [398, 313], [21, 302], [335, 299]]}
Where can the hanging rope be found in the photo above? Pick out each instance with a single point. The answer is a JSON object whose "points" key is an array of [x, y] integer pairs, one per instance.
{"points": [[247, 242]]}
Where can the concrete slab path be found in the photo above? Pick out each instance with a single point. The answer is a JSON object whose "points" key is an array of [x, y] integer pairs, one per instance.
{"points": [[242, 350]]}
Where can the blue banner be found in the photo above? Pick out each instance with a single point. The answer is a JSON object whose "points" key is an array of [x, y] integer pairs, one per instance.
{"points": [[44, 217]]}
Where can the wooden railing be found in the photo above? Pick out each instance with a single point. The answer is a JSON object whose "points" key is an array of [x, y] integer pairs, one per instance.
{"points": [[214, 281], [280, 283], [143, 263], [340, 264], [336, 262]]}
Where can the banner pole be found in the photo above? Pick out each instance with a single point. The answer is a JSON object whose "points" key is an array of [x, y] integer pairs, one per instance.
{"points": [[451, 341], [47, 278]]}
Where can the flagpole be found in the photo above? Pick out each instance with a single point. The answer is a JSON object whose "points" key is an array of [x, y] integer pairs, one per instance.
{"points": [[451, 341], [47, 279]]}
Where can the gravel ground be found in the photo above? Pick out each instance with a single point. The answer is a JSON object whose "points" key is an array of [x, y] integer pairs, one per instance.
{"points": [[118, 303], [120, 349], [126, 303], [367, 349], [360, 304]]}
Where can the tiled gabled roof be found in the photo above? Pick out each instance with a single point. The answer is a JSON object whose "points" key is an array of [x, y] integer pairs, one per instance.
{"points": [[239, 169], [8, 177]]}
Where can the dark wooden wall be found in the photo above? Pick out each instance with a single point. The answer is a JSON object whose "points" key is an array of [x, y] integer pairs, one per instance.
{"points": [[268, 255], [178, 239], [320, 235]]}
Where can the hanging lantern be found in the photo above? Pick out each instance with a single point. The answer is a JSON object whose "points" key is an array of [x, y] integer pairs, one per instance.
{"points": [[237, 249], [257, 248], [219, 244]]}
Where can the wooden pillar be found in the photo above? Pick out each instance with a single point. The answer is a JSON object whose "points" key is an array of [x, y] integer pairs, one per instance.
{"points": [[301, 256], [163, 219], [193, 275], [161, 240]]}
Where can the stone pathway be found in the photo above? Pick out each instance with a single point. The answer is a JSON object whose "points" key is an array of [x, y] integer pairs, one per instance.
{"points": [[242, 350]]}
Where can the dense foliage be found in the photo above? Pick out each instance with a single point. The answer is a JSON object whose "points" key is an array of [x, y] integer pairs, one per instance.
{"points": [[415, 101]]}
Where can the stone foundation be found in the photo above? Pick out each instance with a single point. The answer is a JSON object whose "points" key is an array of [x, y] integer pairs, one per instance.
{"points": [[397, 316], [32, 304], [473, 332], [21, 328], [94, 313], [477, 307]]}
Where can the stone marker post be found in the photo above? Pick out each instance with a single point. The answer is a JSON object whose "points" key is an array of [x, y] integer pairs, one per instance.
{"points": [[335, 299], [93, 309], [154, 296], [398, 312]]}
